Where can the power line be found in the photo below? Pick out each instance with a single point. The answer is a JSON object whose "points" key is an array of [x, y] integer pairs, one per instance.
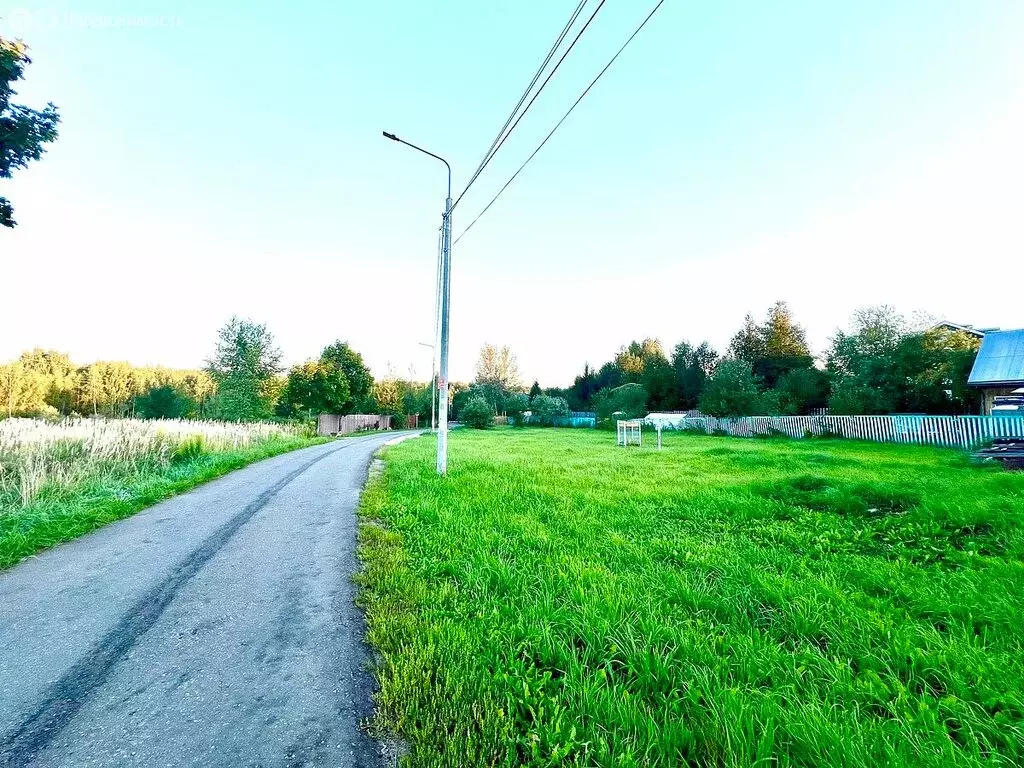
{"points": [[564, 118], [540, 70], [500, 141]]}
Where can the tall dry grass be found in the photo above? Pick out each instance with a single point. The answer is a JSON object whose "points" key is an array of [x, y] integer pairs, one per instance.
{"points": [[36, 453]]}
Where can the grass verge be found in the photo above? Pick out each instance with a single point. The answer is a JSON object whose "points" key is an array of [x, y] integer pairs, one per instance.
{"points": [[60, 514], [723, 602]]}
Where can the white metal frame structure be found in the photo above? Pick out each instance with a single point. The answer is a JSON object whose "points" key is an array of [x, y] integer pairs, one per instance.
{"points": [[629, 432]]}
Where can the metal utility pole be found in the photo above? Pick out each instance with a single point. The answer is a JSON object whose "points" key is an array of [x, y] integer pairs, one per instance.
{"points": [[446, 268], [446, 284]]}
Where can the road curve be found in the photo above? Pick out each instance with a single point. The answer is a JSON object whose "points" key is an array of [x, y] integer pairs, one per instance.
{"points": [[216, 628]]}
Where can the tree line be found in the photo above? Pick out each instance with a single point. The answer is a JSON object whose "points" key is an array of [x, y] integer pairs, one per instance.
{"points": [[242, 381], [45, 383], [497, 390], [883, 363]]}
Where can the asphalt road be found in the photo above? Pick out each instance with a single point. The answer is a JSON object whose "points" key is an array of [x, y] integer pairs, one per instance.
{"points": [[216, 628]]}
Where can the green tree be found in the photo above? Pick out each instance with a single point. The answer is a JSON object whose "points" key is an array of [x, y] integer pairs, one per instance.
{"points": [[418, 400], [164, 402], [774, 347], [59, 374], [245, 365], [516, 405], [934, 367], [863, 363], [954, 355], [802, 390], [201, 388], [117, 387], [692, 367], [90, 387], [581, 393], [748, 344], [885, 365], [477, 413], [659, 379], [547, 410], [314, 387], [633, 358], [782, 337], [23, 392], [23, 131], [609, 376], [851, 397], [387, 394], [535, 390], [732, 391], [629, 400], [494, 394], [350, 363]]}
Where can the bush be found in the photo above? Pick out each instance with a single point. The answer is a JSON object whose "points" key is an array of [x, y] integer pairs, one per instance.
{"points": [[802, 391], [516, 405], [164, 402], [399, 421], [45, 411], [547, 410], [850, 397], [626, 402], [477, 413], [493, 394], [733, 391]]}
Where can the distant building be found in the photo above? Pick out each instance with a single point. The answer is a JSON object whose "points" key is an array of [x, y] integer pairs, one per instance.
{"points": [[970, 330], [998, 372]]}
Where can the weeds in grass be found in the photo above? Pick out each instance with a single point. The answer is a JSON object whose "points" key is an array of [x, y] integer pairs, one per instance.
{"points": [[560, 601]]}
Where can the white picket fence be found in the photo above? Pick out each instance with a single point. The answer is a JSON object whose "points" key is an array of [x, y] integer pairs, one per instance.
{"points": [[966, 432]]}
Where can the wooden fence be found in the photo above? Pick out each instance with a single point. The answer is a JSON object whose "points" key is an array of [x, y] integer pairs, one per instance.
{"points": [[329, 424], [966, 432]]}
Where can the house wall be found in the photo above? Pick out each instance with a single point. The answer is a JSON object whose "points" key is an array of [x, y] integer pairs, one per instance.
{"points": [[988, 395]]}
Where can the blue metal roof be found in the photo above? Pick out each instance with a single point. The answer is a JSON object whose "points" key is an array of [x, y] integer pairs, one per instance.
{"points": [[1000, 360]]}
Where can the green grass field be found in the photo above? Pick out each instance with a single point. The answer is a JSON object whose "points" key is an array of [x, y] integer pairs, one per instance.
{"points": [[723, 602]]}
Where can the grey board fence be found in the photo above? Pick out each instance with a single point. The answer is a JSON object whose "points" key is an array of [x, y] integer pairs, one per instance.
{"points": [[964, 432], [329, 424]]}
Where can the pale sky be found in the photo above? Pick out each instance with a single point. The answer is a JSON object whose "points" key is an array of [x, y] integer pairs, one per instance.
{"points": [[217, 159]]}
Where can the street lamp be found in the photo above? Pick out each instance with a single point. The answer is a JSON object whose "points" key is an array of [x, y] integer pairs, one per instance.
{"points": [[446, 268], [433, 382]]}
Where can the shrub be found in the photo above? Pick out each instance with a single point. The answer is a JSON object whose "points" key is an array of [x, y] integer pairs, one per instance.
{"points": [[188, 451], [626, 402], [477, 413], [547, 410], [516, 405], [164, 402], [801, 391], [46, 412], [399, 421], [733, 391]]}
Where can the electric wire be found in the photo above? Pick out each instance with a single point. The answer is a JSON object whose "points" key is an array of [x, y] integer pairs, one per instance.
{"points": [[564, 118], [540, 71], [540, 90]]}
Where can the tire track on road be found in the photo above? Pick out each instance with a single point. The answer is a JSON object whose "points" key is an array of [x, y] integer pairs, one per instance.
{"points": [[66, 696]]}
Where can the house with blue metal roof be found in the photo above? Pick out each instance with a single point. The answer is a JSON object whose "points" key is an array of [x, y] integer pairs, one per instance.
{"points": [[998, 371]]}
